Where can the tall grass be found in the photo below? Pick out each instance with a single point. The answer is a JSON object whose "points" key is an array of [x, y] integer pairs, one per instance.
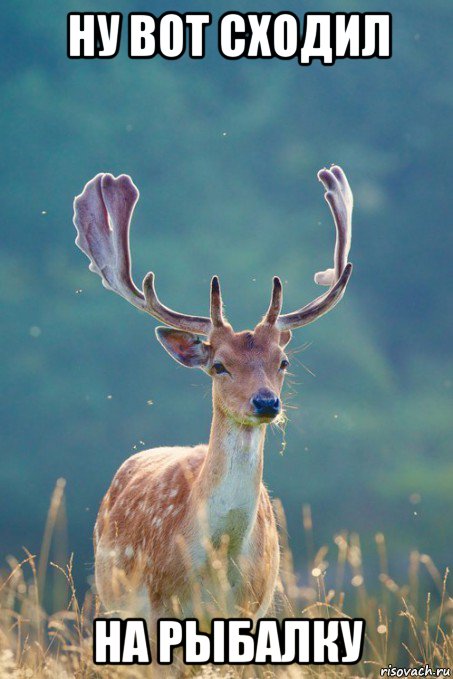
{"points": [[408, 625]]}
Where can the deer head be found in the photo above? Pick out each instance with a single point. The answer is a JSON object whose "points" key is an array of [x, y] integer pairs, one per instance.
{"points": [[247, 367]]}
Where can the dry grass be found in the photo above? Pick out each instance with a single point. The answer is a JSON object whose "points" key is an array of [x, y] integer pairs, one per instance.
{"points": [[406, 627]]}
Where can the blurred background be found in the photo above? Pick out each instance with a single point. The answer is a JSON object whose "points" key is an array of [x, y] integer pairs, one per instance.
{"points": [[225, 154]]}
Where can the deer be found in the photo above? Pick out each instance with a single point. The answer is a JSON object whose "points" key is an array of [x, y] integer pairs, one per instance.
{"points": [[171, 511]]}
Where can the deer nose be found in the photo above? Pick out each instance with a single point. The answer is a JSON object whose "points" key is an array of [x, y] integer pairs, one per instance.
{"points": [[265, 402]]}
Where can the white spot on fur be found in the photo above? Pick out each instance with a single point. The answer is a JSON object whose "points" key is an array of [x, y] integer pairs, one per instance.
{"points": [[129, 551], [173, 493]]}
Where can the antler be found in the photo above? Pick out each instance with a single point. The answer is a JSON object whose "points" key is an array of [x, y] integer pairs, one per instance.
{"points": [[339, 197], [102, 216]]}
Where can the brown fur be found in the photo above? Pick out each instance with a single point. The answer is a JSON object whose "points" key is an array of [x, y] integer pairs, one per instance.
{"points": [[151, 530]]}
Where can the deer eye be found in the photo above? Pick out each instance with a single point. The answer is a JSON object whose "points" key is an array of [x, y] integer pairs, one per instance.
{"points": [[284, 364], [219, 368]]}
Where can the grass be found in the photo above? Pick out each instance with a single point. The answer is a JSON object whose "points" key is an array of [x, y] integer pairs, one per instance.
{"points": [[408, 625]]}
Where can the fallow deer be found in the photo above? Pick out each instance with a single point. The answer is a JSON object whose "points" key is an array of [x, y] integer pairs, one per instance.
{"points": [[169, 509]]}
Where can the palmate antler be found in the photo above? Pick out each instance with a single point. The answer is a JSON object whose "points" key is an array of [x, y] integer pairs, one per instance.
{"points": [[339, 197], [102, 217]]}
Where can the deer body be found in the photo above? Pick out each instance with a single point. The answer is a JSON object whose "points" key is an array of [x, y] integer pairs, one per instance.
{"points": [[160, 547], [190, 531]]}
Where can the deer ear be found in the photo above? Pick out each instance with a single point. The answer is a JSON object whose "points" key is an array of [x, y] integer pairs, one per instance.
{"points": [[185, 347], [285, 338]]}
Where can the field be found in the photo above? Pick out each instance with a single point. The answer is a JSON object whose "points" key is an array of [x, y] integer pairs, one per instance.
{"points": [[408, 625]]}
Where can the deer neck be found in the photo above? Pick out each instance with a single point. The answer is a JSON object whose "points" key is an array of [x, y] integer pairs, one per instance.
{"points": [[230, 480]]}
